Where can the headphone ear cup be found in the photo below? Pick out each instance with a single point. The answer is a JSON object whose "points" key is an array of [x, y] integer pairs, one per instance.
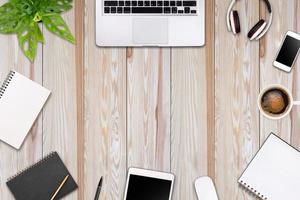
{"points": [[257, 29], [235, 22]]}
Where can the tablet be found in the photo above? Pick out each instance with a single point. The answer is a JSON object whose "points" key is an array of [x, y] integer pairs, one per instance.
{"points": [[148, 185]]}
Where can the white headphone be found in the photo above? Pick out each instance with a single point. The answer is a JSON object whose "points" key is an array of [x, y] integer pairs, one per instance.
{"points": [[258, 30]]}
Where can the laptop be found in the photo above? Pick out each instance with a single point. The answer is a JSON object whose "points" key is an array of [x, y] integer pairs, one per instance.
{"points": [[150, 23]]}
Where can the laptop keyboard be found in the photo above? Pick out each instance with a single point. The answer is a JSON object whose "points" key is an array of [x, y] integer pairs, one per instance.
{"points": [[185, 7]]}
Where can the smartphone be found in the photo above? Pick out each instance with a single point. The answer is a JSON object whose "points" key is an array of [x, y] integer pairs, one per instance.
{"points": [[288, 52]]}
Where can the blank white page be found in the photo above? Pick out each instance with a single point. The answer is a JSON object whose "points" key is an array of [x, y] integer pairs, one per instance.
{"points": [[20, 105], [274, 173]]}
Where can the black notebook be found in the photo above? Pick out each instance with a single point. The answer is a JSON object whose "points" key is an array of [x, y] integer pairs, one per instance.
{"points": [[41, 180]]}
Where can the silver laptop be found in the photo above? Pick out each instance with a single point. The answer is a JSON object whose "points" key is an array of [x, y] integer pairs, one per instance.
{"points": [[150, 23]]}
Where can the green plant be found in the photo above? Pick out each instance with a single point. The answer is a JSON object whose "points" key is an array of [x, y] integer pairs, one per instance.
{"points": [[23, 17]]}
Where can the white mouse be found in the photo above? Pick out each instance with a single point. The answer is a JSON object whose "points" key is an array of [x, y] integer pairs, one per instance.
{"points": [[205, 189]]}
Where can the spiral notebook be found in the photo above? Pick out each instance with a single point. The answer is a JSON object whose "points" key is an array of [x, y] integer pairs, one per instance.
{"points": [[274, 173], [21, 100], [41, 180]]}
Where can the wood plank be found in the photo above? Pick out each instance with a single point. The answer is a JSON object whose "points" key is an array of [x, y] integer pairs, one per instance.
{"points": [[105, 122], [236, 90], [270, 75], [189, 119], [148, 108], [79, 61], [193, 112], [296, 87], [210, 85], [105, 115], [12, 161], [60, 114]]}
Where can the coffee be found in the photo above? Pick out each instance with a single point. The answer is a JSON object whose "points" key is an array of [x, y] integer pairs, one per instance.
{"points": [[275, 101]]}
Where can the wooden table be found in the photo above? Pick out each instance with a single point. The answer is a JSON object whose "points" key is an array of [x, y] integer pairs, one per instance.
{"points": [[191, 111]]}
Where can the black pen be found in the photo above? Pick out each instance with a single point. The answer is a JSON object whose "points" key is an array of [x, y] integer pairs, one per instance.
{"points": [[98, 189]]}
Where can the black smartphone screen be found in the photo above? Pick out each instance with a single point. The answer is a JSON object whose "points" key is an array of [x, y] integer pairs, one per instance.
{"points": [[288, 51], [146, 188]]}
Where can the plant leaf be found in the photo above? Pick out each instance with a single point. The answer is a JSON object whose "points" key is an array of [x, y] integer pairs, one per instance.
{"points": [[55, 24], [39, 34], [55, 6], [7, 8], [10, 19], [28, 38], [26, 7], [10, 25]]}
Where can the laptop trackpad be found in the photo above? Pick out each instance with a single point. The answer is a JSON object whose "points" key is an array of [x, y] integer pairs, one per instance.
{"points": [[150, 31]]}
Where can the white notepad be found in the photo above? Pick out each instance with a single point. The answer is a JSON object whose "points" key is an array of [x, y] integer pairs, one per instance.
{"points": [[21, 100], [274, 173]]}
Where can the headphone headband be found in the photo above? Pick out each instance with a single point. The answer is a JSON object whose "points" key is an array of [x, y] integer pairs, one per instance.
{"points": [[268, 4], [228, 14], [269, 8]]}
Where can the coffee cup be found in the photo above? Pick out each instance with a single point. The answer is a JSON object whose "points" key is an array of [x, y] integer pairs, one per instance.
{"points": [[275, 102]]}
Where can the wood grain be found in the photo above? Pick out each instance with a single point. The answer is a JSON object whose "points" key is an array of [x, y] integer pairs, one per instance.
{"points": [[104, 115], [148, 108], [79, 64], [296, 87], [188, 120], [236, 90], [105, 122], [210, 85], [60, 113]]}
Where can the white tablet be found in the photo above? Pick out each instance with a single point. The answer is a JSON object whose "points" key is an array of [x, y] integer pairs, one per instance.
{"points": [[148, 185]]}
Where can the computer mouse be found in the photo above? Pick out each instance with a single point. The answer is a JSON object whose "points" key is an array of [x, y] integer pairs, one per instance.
{"points": [[205, 189]]}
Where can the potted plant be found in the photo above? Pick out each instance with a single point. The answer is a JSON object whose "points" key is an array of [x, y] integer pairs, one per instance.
{"points": [[22, 17]]}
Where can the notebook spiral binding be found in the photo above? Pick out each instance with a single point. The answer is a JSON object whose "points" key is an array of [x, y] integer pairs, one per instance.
{"points": [[252, 190], [42, 160], [6, 83]]}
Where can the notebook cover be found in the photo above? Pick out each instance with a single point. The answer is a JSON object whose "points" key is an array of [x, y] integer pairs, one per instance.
{"points": [[21, 100], [41, 180], [274, 173]]}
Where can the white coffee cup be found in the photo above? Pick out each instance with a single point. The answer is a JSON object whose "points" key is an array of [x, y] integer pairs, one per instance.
{"points": [[289, 107]]}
